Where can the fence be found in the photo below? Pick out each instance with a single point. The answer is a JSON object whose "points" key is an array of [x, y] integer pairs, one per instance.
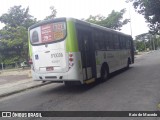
{"points": [[14, 65]]}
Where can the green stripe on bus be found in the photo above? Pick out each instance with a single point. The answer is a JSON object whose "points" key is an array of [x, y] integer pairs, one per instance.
{"points": [[71, 41], [30, 47]]}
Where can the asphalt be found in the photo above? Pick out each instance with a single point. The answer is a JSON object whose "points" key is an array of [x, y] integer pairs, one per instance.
{"points": [[13, 82]]}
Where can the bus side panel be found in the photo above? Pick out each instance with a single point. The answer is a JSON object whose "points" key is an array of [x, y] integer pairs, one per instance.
{"points": [[71, 42], [86, 48], [72, 48], [30, 47]]}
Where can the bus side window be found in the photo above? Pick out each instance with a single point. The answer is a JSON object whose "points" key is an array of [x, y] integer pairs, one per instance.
{"points": [[97, 45], [120, 42], [86, 40], [101, 40], [124, 42], [127, 43], [80, 40], [116, 42], [106, 41], [111, 42]]}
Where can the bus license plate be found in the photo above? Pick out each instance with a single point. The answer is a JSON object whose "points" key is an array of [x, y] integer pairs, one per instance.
{"points": [[49, 68]]}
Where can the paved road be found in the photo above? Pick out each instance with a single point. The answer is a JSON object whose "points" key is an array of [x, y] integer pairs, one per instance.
{"points": [[135, 89]]}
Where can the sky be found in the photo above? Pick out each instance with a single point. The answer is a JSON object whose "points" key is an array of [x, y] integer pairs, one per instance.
{"points": [[80, 9]]}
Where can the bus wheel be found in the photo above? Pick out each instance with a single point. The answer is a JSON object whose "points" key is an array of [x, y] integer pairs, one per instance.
{"points": [[104, 73]]}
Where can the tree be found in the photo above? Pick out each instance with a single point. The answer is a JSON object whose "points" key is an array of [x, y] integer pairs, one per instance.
{"points": [[147, 40], [53, 13], [17, 16], [151, 11], [113, 21], [14, 35]]}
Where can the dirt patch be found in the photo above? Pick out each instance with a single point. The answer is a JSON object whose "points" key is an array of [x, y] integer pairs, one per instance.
{"points": [[15, 72], [12, 78]]}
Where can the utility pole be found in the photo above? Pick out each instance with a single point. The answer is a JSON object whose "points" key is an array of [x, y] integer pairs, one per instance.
{"points": [[144, 45], [153, 44], [150, 42], [157, 42], [130, 19]]}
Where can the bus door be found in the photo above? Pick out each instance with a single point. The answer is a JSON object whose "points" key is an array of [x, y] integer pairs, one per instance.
{"points": [[86, 53]]}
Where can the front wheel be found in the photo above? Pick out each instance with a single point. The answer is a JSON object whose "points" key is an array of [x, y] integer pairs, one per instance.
{"points": [[104, 73]]}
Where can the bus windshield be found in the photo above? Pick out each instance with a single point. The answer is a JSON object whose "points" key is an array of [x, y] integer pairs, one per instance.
{"points": [[48, 33]]}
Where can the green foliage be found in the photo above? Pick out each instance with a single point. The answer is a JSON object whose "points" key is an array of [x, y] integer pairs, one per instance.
{"points": [[113, 21], [140, 46], [151, 11], [53, 13], [147, 41], [14, 35], [17, 16]]}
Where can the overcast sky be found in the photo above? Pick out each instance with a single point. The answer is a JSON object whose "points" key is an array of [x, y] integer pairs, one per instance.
{"points": [[79, 9]]}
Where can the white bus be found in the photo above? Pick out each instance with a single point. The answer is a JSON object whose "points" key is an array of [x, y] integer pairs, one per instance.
{"points": [[74, 51]]}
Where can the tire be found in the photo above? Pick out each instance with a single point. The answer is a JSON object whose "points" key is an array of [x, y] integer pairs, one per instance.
{"points": [[104, 73], [67, 83]]}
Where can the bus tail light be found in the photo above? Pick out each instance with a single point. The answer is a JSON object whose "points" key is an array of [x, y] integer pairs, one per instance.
{"points": [[71, 60], [70, 55], [30, 62]]}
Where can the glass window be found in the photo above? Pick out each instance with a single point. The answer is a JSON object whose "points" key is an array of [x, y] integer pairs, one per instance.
{"points": [[106, 41], [120, 42], [123, 43], [97, 45], [101, 40], [35, 37], [111, 42], [48, 33], [128, 43], [116, 42]]}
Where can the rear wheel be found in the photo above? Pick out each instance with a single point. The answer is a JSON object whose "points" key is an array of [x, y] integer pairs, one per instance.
{"points": [[67, 83], [104, 73]]}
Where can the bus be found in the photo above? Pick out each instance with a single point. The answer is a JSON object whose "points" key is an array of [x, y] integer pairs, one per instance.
{"points": [[72, 51]]}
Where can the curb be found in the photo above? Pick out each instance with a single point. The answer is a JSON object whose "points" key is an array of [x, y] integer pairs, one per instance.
{"points": [[21, 90]]}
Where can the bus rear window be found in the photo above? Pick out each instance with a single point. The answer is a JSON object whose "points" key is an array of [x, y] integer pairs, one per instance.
{"points": [[48, 33]]}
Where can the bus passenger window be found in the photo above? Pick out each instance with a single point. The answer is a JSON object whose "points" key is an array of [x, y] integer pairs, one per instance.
{"points": [[128, 44], [111, 42], [97, 45], [106, 41], [116, 42], [124, 42], [120, 42]]}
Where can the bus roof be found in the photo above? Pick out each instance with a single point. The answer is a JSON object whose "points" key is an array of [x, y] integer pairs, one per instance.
{"points": [[77, 21], [98, 26]]}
